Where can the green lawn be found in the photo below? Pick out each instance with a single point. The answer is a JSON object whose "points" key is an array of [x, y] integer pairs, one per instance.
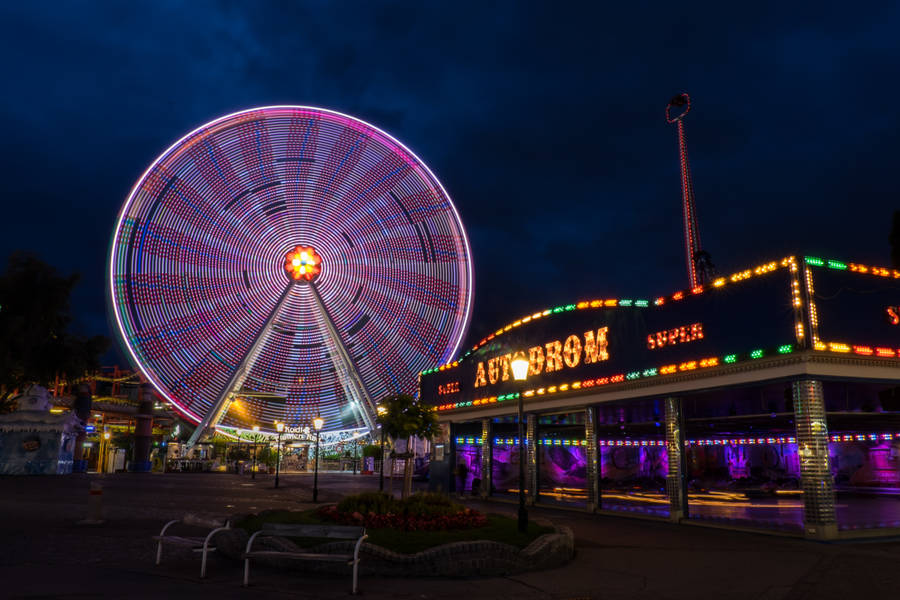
{"points": [[498, 529]]}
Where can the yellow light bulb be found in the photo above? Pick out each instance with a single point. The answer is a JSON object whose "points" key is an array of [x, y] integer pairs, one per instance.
{"points": [[295, 262], [304, 255]]}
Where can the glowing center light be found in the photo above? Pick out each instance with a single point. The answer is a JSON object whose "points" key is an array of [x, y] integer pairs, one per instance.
{"points": [[303, 263]]}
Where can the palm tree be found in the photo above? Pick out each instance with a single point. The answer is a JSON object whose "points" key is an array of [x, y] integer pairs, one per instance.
{"points": [[404, 417]]}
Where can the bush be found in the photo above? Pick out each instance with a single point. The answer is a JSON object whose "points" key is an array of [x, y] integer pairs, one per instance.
{"points": [[422, 511], [430, 504], [238, 453], [370, 502], [266, 456], [371, 451]]}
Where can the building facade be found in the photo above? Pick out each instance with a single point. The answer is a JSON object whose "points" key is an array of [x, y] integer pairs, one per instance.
{"points": [[767, 399]]}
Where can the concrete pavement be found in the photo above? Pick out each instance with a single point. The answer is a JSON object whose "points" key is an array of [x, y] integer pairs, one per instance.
{"points": [[46, 554]]}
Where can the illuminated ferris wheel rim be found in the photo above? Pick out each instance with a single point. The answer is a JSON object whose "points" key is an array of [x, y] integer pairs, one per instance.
{"points": [[160, 386]]}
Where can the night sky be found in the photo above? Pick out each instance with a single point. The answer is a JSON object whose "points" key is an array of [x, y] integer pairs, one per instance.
{"points": [[545, 123]]}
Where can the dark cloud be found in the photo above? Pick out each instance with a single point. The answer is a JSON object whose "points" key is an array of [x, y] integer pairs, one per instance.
{"points": [[544, 121]]}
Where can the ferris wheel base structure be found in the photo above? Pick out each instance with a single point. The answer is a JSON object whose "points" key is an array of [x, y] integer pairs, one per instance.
{"points": [[288, 262]]}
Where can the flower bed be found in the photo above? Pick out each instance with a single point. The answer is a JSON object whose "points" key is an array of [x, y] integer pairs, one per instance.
{"points": [[496, 548], [420, 512]]}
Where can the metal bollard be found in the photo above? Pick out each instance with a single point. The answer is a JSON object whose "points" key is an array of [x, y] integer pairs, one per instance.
{"points": [[95, 505]]}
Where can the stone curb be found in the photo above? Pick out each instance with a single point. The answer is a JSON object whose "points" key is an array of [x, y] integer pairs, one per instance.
{"points": [[458, 559]]}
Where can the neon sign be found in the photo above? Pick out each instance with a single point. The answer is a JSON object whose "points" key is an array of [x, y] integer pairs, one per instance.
{"points": [[677, 335], [549, 358], [451, 387]]}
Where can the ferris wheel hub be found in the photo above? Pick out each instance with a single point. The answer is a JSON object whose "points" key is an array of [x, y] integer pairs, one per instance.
{"points": [[302, 263]]}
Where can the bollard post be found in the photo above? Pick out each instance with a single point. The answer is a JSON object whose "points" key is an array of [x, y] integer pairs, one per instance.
{"points": [[95, 505]]}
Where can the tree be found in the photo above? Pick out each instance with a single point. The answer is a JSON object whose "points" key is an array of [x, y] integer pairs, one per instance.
{"points": [[404, 417], [125, 441], [371, 451], [266, 456], [220, 447], [240, 452], [35, 342]]}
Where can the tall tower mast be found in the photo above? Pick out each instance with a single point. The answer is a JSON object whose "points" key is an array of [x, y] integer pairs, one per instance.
{"points": [[698, 263]]}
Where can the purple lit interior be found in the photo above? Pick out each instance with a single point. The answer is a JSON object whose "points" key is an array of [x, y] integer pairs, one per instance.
{"points": [[563, 473], [863, 464], [755, 483], [761, 484], [748, 464], [867, 480], [630, 465], [634, 478], [468, 466], [505, 469]]}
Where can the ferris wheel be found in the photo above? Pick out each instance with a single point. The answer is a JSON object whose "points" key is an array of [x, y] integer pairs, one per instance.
{"points": [[288, 262]]}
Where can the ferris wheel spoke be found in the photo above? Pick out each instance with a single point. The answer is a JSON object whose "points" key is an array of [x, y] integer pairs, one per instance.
{"points": [[344, 365], [220, 406]]}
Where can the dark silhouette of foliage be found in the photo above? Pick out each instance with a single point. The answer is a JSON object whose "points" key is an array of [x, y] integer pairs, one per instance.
{"points": [[372, 451], [265, 456], [35, 342], [405, 418], [239, 453]]}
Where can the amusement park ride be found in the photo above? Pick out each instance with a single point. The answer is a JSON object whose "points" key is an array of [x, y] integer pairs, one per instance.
{"points": [[699, 265], [286, 263]]}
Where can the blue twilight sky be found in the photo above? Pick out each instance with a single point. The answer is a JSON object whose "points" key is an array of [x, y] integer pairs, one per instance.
{"points": [[545, 122]]}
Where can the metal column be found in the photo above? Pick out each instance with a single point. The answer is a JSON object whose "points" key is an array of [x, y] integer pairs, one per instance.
{"points": [[593, 459], [143, 431], [236, 381], [819, 520], [531, 452], [676, 481], [344, 366], [486, 457]]}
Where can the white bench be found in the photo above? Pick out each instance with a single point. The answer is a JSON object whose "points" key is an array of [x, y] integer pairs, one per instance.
{"points": [[196, 544], [307, 531]]}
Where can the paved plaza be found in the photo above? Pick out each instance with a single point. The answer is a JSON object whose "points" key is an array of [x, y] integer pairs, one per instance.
{"points": [[46, 554]]}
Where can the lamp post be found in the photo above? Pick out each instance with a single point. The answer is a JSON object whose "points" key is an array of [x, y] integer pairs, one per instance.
{"points": [[519, 366], [105, 452], [280, 428], [255, 439], [317, 423], [381, 412]]}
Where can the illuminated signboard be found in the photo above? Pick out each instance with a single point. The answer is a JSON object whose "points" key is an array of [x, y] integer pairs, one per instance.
{"points": [[598, 342], [856, 307]]}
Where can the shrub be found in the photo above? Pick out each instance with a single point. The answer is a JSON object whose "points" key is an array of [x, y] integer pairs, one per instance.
{"points": [[425, 504], [372, 451], [370, 502]]}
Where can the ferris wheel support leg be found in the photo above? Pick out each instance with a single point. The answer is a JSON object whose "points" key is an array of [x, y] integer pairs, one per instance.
{"points": [[344, 365], [218, 410]]}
